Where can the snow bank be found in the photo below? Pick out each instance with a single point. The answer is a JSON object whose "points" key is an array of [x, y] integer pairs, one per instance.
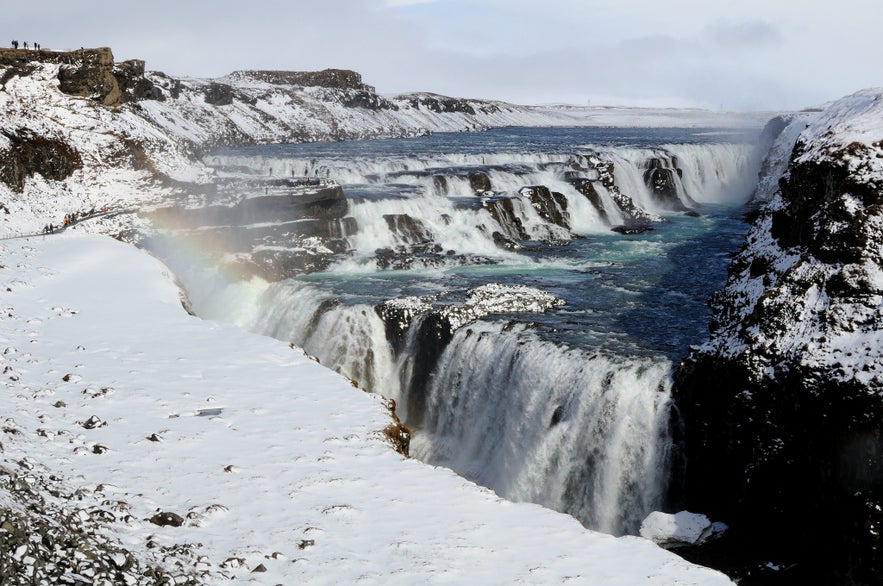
{"points": [[277, 467]]}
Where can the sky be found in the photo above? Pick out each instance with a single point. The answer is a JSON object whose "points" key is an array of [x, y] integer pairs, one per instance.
{"points": [[722, 55]]}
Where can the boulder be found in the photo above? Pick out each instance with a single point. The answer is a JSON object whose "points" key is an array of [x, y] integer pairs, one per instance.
{"points": [[679, 529], [480, 183]]}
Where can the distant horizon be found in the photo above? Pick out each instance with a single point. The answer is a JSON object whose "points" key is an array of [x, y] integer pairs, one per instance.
{"points": [[754, 56]]}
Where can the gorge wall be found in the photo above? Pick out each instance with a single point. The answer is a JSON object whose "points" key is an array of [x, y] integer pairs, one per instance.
{"points": [[783, 406]]}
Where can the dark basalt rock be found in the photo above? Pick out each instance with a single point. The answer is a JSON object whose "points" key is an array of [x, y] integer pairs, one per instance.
{"points": [[795, 451], [218, 94], [784, 436], [634, 215], [587, 188], [133, 84], [631, 229], [164, 519], [503, 211], [30, 153], [342, 79], [89, 73], [661, 181], [551, 206], [480, 182], [831, 234], [410, 229], [425, 335], [436, 103]]}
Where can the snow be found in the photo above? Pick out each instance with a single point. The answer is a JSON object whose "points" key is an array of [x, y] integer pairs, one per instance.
{"points": [[682, 528], [271, 459]]}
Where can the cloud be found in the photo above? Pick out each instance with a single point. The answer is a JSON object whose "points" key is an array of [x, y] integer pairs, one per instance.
{"points": [[746, 34], [752, 54], [399, 3]]}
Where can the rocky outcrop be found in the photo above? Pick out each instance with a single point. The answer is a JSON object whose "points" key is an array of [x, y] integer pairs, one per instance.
{"points": [[660, 178], [480, 183], [440, 104], [29, 153], [88, 73], [590, 173], [550, 205], [783, 406], [275, 230], [133, 85], [342, 79], [421, 327]]}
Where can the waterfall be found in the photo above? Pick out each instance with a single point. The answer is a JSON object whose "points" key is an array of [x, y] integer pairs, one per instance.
{"points": [[576, 431], [573, 415]]}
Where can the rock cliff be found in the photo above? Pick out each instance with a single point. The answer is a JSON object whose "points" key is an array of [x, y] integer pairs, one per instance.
{"points": [[783, 405]]}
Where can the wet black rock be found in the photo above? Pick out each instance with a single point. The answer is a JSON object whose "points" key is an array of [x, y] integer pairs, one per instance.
{"points": [[480, 183], [550, 205]]}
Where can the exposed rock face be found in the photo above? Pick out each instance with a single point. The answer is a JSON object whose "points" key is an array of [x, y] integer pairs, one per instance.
{"points": [[503, 211], [436, 103], [342, 79], [30, 153], [85, 72], [133, 85], [480, 182], [591, 173], [218, 94], [783, 407], [550, 205], [421, 327], [90, 74], [660, 178], [274, 230]]}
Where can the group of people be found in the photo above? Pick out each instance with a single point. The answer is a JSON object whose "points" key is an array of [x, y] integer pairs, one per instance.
{"points": [[70, 219], [35, 46]]}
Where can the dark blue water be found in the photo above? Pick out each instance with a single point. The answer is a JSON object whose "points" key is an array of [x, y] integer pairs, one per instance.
{"points": [[501, 141]]}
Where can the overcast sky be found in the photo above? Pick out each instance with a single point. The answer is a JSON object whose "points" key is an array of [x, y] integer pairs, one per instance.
{"points": [[716, 54]]}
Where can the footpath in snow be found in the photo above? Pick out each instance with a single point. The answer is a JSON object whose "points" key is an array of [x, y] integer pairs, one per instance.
{"points": [[277, 467]]}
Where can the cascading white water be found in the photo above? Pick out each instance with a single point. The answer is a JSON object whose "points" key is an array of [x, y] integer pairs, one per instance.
{"points": [[576, 431], [718, 173], [350, 339]]}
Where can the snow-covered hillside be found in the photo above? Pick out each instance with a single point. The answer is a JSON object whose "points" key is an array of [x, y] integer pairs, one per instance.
{"points": [[783, 404]]}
